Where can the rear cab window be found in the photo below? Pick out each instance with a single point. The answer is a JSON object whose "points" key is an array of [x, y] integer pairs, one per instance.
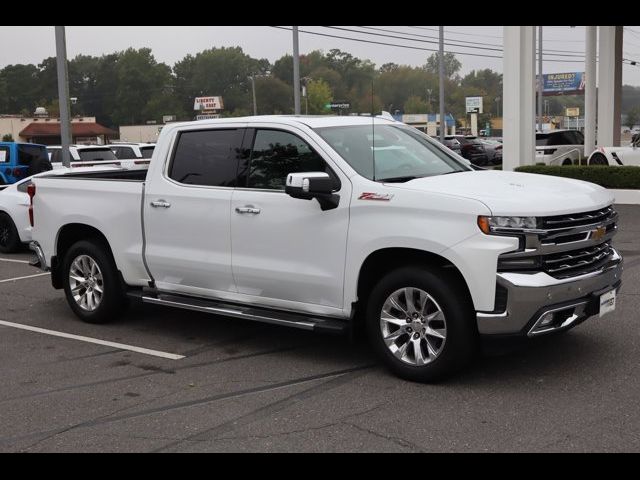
{"points": [[96, 155]]}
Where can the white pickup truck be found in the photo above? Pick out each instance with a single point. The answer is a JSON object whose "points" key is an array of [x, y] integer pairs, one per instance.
{"points": [[325, 223]]}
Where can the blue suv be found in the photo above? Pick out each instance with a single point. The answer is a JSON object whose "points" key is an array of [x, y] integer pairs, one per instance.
{"points": [[21, 160]]}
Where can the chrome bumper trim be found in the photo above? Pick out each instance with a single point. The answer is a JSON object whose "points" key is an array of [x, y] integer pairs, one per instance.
{"points": [[41, 262], [529, 294]]}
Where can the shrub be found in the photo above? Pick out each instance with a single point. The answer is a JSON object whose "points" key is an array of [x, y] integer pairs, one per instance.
{"points": [[625, 177]]}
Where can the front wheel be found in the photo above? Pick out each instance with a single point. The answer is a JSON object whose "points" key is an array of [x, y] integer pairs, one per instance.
{"points": [[91, 283], [420, 322]]}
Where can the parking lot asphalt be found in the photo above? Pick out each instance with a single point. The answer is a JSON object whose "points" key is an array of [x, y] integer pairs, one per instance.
{"points": [[245, 386]]}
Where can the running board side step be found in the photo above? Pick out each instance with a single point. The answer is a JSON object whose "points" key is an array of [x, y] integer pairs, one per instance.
{"points": [[288, 319]]}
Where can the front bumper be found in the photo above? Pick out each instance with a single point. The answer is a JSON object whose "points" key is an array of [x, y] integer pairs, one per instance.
{"points": [[531, 296]]}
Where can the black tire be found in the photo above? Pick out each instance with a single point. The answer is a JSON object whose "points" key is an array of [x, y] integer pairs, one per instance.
{"points": [[39, 165], [461, 342], [567, 161], [113, 300], [598, 159], [9, 237]]}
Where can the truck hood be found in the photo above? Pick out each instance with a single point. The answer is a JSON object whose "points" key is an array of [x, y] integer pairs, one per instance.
{"points": [[514, 193]]}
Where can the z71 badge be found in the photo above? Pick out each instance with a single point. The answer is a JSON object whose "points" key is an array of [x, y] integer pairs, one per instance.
{"points": [[382, 197]]}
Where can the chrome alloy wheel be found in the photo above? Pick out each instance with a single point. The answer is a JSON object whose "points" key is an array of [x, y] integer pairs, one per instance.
{"points": [[86, 283], [413, 326]]}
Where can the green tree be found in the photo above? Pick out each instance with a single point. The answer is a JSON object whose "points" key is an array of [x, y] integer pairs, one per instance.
{"points": [[415, 104], [274, 97], [318, 95], [451, 64], [633, 117]]}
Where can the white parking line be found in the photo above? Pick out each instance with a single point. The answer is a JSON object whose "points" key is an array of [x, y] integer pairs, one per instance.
{"points": [[24, 278], [120, 346], [10, 260]]}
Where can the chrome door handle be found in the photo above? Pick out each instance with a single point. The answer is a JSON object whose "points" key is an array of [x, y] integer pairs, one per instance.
{"points": [[161, 204], [248, 210]]}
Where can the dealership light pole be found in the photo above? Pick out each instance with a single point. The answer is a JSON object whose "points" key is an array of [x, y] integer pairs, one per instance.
{"points": [[296, 72], [443, 123], [63, 95], [540, 78]]}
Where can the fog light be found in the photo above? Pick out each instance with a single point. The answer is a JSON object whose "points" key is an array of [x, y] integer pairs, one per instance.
{"points": [[546, 320]]}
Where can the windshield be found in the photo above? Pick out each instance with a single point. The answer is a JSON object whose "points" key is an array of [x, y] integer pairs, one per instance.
{"points": [[96, 154], [147, 152], [399, 153]]}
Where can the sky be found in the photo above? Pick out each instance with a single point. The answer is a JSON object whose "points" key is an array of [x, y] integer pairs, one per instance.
{"points": [[170, 44]]}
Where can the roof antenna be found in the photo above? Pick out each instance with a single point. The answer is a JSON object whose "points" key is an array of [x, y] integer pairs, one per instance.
{"points": [[373, 131]]}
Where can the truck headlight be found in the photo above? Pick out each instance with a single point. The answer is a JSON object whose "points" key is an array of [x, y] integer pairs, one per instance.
{"points": [[489, 225]]}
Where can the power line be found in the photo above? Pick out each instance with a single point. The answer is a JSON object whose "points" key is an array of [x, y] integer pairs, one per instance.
{"points": [[461, 41], [361, 40], [455, 32]]}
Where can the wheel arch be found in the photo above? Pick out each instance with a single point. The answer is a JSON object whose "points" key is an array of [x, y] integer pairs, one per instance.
{"points": [[384, 260], [67, 236]]}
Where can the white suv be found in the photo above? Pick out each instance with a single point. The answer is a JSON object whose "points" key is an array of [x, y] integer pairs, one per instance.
{"points": [[560, 147]]}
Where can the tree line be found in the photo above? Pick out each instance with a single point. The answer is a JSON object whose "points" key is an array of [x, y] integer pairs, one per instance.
{"points": [[132, 87]]}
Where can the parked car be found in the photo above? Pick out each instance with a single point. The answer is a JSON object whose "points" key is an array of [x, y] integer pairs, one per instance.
{"points": [[471, 148], [560, 147], [329, 223], [21, 160], [89, 156], [494, 151], [453, 144], [128, 151], [614, 156]]}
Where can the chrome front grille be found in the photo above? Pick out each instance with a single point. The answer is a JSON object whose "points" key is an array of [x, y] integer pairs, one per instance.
{"points": [[565, 246], [577, 262], [578, 219]]}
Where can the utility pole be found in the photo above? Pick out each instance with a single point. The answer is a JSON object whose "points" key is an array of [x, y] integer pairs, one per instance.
{"points": [[443, 122], [296, 72], [63, 95], [540, 78], [255, 103]]}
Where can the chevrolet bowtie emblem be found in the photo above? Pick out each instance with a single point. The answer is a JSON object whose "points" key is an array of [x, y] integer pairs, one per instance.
{"points": [[598, 233]]}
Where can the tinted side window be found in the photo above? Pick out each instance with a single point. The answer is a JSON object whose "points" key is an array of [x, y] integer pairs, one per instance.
{"points": [[276, 154], [28, 153], [124, 153], [207, 157]]}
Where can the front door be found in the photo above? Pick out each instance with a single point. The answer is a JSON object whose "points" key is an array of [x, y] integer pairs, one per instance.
{"points": [[287, 253]]}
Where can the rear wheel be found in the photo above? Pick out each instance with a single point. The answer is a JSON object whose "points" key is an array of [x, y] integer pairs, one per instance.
{"points": [[9, 237], [567, 161], [421, 324], [598, 159], [91, 283]]}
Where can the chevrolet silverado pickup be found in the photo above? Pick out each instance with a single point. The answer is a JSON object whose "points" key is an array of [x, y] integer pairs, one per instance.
{"points": [[326, 223]]}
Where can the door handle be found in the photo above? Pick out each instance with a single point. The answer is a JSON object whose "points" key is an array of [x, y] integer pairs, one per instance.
{"points": [[248, 210], [161, 204]]}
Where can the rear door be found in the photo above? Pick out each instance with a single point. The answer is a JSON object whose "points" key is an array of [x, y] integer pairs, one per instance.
{"points": [[187, 213]]}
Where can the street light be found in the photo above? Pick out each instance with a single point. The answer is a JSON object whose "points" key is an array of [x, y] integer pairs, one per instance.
{"points": [[305, 81], [253, 88]]}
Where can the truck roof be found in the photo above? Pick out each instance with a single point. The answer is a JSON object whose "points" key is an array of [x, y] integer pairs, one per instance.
{"points": [[312, 121]]}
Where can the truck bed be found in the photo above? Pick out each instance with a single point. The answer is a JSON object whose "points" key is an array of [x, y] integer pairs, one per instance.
{"points": [[109, 201]]}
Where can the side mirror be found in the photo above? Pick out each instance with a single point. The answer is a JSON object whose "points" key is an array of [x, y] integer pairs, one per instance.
{"points": [[307, 186]]}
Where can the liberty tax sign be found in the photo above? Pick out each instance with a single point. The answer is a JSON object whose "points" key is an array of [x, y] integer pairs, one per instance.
{"points": [[208, 103]]}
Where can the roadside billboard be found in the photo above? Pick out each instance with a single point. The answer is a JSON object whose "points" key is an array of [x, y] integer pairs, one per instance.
{"points": [[571, 83], [474, 104], [208, 103]]}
